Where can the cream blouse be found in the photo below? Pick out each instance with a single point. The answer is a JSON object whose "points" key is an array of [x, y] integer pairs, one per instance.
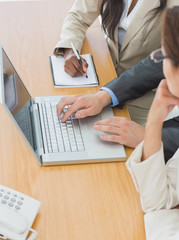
{"points": [[126, 19], [158, 186]]}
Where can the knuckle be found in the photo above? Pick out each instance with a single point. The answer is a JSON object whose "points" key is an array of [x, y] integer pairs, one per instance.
{"points": [[73, 74], [125, 122], [111, 118], [78, 97], [66, 63], [66, 68], [81, 99], [113, 137], [125, 119], [110, 128], [123, 139], [72, 59], [63, 100], [125, 125]]}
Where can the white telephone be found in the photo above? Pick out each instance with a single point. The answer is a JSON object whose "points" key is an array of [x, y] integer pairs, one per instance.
{"points": [[17, 214]]}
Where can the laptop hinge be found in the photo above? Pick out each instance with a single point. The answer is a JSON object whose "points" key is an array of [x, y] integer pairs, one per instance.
{"points": [[37, 130]]}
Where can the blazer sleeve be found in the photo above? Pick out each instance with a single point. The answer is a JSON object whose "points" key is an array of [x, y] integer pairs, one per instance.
{"points": [[81, 16], [155, 181], [136, 81]]}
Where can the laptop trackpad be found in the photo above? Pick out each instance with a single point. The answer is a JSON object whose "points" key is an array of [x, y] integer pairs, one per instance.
{"points": [[94, 145], [88, 123]]}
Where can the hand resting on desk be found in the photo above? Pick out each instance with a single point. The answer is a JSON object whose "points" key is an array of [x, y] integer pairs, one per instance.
{"points": [[123, 130]]}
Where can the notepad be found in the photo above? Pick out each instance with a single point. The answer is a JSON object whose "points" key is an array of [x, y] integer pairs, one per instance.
{"points": [[63, 80]]}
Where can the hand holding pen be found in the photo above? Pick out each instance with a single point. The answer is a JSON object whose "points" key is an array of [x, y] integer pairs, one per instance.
{"points": [[75, 65]]}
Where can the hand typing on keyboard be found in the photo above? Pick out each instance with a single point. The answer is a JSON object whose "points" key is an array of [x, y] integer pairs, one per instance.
{"points": [[64, 111], [61, 137], [83, 105], [119, 129]]}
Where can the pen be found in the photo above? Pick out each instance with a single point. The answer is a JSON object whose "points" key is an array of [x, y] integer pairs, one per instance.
{"points": [[77, 55]]}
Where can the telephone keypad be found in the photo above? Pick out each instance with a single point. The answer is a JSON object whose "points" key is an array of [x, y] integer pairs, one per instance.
{"points": [[6, 197], [10, 199]]}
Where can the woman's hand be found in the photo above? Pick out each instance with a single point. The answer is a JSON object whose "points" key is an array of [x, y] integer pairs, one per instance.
{"points": [[162, 104], [122, 130], [72, 66], [85, 105]]}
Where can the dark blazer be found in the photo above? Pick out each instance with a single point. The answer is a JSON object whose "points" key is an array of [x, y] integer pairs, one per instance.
{"points": [[137, 81]]}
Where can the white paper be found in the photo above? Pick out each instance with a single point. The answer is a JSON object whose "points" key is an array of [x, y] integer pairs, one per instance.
{"points": [[62, 79]]}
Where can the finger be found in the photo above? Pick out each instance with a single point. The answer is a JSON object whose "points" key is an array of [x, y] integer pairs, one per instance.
{"points": [[118, 139], [72, 109], [84, 65], [64, 102], [72, 70], [111, 138], [163, 83], [78, 66], [113, 121], [85, 113], [60, 107], [72, 66], [166, 97], [173, 101], [107, 128], [102, 122]]}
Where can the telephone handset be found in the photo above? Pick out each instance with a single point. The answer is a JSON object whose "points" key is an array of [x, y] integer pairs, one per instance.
{"points": [[12, 220], [17, 214]]}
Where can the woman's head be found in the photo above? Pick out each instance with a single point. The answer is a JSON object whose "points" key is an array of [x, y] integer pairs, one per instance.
{"points": [[170, 48]]}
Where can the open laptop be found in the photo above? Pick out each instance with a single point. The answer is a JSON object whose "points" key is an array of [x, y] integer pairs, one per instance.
{"points": [[53, 142]]}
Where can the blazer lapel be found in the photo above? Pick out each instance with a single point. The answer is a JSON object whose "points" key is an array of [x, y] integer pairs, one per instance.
{"points": [[138, 21]]}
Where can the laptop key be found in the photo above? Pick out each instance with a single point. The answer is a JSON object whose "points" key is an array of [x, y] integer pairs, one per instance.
{"points": [[61, 137]]}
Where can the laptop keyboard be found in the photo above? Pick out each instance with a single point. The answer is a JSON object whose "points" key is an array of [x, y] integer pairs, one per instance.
{"points": [[61, 137]]}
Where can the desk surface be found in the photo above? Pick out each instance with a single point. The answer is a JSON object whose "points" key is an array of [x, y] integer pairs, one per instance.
{"points": [[79, 202]]}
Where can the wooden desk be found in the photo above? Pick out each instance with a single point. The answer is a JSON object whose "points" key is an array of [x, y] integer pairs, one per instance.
{"points": [[79, 202]]}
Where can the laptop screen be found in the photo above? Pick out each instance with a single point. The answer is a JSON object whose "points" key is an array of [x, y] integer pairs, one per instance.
{"points": [[17, 98]]}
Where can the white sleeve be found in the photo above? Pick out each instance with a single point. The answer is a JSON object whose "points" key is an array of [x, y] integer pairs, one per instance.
{"points": [[162, 225], [153, 180]]}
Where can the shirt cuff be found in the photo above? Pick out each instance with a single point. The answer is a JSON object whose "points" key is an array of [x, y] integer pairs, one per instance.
{"points": [[115, 101], [138, 169], [58, 52]]}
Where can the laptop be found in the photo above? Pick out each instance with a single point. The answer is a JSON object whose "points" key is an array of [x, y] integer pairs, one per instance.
{"points": [[53, 142]]}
